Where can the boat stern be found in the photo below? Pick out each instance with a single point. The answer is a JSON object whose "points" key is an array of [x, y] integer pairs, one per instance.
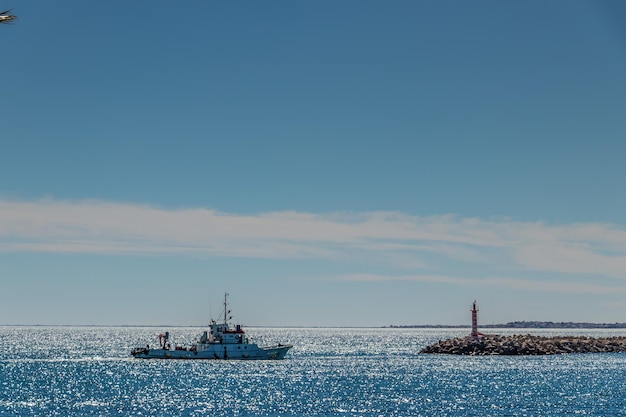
{"points": [[140, 352]]}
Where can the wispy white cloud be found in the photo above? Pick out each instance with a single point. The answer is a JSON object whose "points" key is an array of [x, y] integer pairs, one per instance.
{"points": [[400, 240], [510, 283]]}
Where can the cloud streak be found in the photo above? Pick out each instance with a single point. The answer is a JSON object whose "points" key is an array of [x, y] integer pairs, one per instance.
{"points": [[401, 240], [511, 283]]}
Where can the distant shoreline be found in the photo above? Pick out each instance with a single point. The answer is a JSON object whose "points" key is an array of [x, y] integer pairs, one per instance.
{"points": [[521, 325]]}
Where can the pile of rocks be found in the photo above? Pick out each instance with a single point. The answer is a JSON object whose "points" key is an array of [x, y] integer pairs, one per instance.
{"points": [[526, 345]]}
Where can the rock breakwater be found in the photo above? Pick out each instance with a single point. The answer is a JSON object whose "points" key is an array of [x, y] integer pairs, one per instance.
{"points": [[526, 345]]}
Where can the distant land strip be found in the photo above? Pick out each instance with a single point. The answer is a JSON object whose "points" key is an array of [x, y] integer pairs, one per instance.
{"points": [[521, 325]]}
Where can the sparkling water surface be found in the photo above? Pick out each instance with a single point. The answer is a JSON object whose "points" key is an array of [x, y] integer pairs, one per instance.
{"points": [[81, 371]]}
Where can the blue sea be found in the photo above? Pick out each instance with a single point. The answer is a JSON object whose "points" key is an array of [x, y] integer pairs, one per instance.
{"points": [[88, 371]]}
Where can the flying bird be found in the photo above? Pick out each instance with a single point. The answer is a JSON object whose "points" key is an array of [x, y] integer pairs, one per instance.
{"points": [[6, 17]]}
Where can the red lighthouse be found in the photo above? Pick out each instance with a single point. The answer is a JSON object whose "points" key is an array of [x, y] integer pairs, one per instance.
{"points": [[475, 332]]}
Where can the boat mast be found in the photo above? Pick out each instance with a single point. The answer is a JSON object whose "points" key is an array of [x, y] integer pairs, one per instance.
{"points": [[226, 310]]}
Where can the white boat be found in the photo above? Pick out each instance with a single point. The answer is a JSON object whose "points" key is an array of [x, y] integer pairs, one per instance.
{"points": [[219, 342]]}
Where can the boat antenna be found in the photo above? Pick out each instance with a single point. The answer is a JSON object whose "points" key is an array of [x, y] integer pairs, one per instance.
{"points": [[226, 312]]}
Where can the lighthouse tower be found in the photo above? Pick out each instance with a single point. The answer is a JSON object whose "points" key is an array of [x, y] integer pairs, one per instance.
{"points": [[475, 332]]}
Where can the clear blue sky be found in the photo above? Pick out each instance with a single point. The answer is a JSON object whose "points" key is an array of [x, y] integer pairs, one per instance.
{"points": [[326, 163]]}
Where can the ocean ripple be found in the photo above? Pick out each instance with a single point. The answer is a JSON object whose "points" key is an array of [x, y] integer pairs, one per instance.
{"points": [[82, 371]]}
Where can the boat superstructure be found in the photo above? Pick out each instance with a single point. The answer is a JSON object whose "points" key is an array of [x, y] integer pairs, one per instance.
{"points": [[221, 341]]}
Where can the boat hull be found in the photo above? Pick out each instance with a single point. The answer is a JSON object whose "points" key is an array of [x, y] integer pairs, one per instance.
{"points": [[245, 352]]}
